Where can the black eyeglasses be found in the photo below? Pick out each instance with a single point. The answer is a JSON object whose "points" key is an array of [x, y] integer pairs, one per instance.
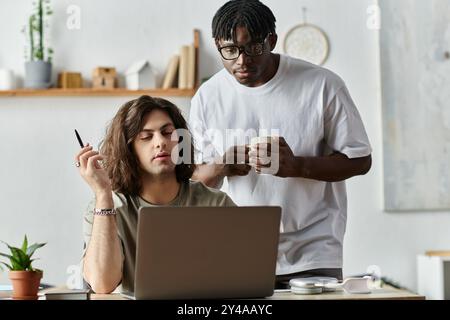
{"points": [[232, 52]]}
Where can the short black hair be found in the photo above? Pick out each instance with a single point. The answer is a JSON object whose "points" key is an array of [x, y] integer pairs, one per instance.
{"points": [[255, 16]]}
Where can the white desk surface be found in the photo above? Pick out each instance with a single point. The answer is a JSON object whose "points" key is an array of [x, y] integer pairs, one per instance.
{"points": [[385, 293]]}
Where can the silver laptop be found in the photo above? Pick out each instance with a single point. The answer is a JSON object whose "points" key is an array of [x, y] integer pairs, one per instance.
{"points": [[206, 253]]}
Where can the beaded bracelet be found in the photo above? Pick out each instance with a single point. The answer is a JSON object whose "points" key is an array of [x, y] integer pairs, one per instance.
{"points": [[105, 212]]}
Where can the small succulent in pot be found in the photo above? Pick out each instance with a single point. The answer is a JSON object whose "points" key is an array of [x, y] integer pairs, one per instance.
{"points": [[25, 279]]}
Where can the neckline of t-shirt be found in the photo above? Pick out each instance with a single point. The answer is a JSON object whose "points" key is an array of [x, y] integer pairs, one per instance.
{"points": [[173, 203], [269, 85]]}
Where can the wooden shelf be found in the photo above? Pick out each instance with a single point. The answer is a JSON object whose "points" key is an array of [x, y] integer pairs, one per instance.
{"points": [[89, 92], [117, 92]]}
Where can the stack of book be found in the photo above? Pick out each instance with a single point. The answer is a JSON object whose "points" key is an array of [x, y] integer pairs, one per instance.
{"points": [[182, 69], [66, 294]]}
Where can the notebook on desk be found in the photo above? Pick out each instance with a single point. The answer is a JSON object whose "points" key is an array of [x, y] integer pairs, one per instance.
{"points": [[206, 253]]}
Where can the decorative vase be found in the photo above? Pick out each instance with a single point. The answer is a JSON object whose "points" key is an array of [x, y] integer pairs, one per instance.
{"points": [[38, 74], [25, 284]]}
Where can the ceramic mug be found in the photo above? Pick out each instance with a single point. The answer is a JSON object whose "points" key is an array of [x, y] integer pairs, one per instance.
{"points": [[265, 144]]}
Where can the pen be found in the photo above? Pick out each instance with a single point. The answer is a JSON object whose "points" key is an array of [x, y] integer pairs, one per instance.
{"points": [[79, 139]]}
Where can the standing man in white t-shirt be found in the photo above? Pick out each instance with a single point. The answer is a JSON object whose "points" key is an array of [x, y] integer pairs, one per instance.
{"points": [[322, 138]]}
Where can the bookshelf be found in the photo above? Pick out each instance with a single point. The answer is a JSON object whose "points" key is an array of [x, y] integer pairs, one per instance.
{"points": [[89, 92]]}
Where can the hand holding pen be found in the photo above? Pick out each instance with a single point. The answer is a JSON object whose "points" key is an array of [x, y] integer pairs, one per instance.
{"points": [[87, 161]]}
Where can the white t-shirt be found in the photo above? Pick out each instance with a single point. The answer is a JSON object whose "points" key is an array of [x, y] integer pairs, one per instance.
{"points": [[312, 109]]}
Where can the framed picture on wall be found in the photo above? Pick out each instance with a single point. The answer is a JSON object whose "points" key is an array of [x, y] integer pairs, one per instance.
{"points": [[415, 72]]}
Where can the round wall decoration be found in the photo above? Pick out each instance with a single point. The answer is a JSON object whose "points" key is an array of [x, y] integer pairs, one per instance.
{"points": [[307, 42]]}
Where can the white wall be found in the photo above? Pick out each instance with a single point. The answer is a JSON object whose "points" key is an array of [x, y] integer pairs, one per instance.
{"points": [[40, 191]]}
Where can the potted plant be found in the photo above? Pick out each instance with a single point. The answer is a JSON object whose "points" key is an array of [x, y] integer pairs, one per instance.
{"points": [[25, 279], [38, 68]]}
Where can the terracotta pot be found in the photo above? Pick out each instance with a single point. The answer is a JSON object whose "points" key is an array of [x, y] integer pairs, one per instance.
{"points": [[25, 284]]}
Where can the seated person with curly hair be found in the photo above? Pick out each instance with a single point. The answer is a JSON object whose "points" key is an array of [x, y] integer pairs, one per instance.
{"points": [[136, 167]]}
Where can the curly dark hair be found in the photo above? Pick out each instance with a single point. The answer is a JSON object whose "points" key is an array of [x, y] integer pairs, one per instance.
{"points": [[120, 161]]}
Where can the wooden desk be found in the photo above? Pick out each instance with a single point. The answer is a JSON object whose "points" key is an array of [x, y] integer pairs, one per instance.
{"points": [[385, 293]]}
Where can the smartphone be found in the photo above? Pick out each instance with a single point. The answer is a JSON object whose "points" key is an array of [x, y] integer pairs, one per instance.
{"points": [[79, 139]]}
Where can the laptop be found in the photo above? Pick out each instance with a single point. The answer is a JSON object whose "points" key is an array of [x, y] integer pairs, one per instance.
{"points": [[206, 252]]}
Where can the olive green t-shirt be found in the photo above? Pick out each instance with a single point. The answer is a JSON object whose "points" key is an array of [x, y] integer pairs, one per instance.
{"points": [[191, 194]]}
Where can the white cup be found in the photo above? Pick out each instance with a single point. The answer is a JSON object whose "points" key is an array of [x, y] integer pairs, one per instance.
{"points": [[7, 80], [260, 140], [262, 156]]}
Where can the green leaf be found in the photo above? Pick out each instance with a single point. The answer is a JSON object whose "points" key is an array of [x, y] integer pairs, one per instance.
{"points": [[5, 255], [34, 247], [14, 262], [7, 265], [25, 244], [6, 244], [22, 258], [30, 267], [14, 250]]}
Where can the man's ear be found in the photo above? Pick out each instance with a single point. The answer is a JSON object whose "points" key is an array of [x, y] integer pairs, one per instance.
{"points": [[273, 39]]}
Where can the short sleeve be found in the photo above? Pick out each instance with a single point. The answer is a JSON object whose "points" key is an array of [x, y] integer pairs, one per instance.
{"points": [[343, 127], [205, 152], [228, 202]]}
